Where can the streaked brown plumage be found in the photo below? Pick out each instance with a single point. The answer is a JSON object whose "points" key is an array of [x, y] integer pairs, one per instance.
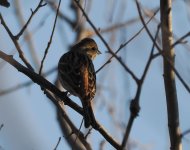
{"points": [[77, 75]]}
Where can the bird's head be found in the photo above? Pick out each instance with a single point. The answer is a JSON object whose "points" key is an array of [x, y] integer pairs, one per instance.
{"points": [[87, 46]]}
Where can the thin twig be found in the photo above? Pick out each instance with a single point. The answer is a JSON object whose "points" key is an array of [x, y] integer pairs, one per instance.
{"points": [[21, 53], [51, 37], [178, 40], [151, 57], [78, 131], [126, 43], [27, 34], [88, 133], [59, 140], [2, 125], [32, 14], [135, 108], [181, 39], [185, 133]]}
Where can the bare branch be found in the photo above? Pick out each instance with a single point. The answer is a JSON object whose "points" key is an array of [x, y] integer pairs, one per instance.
{"points": [[27, 34], [126, 43], [32, 14], [151, 56], [49, 43], [77, 134], [21, 53], [179, 41], [185, 133], [134, 107], [88, 133], [59, 140]]}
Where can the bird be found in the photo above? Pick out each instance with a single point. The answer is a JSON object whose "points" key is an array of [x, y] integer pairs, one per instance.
{"points": [[77, 75]]}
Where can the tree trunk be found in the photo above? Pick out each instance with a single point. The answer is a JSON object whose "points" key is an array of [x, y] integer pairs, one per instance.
{"points": [[169, 76]]}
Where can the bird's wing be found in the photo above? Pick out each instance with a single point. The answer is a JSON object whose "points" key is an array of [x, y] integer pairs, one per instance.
{"points": [[87, 78], [77, 75], [69, 73]]}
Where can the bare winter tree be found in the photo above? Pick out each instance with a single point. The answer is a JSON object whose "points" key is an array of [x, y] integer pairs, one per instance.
{"points": [[133, 36]]}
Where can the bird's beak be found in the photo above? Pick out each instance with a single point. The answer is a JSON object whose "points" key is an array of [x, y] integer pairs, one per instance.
{"points": [[98, 52]]}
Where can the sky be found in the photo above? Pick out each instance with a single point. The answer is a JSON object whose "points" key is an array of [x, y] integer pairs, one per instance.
{"points": [[29, 117]]}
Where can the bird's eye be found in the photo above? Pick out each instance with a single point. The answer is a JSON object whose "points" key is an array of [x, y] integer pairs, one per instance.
{"points": [[93, 48]]}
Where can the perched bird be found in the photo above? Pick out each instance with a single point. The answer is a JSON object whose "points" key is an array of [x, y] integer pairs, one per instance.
{"points": [[77, 75]]}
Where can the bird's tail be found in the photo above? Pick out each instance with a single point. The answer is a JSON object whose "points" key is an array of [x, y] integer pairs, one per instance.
{"points": [[89, 118]]}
